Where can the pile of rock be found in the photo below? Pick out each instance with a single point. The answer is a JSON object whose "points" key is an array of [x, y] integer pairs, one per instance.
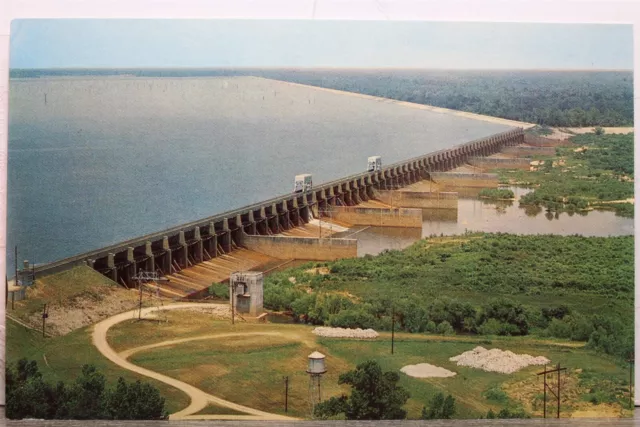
{"points": [[425, 370], [496, 360], [345, 333]]}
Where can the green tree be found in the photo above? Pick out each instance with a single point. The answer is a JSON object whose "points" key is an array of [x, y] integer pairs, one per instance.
{"points": [[135, 401], [375, 395], [87, 395], [440, 408], [29, 396]]}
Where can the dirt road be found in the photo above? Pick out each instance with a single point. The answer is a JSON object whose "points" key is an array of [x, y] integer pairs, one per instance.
{"points": [[199, 399]]}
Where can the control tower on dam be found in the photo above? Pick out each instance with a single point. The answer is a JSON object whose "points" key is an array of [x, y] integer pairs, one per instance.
{"points": [[182, 149]]}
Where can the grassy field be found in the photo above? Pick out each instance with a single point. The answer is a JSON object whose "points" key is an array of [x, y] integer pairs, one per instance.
{"points": [[249, 370], [61, 359]]}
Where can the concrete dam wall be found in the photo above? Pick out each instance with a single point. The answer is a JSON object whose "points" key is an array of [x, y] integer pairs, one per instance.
{"points": [[189, 244], [417, 199]]}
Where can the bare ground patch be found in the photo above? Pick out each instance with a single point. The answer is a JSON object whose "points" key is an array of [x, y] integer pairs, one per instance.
{"points": [[530, 394], [94, 305]]}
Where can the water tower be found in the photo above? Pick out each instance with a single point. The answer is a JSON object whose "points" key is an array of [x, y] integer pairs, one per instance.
{"points": [[315, 370]]}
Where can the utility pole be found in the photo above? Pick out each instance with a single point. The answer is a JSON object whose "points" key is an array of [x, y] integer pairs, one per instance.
{"points": [[286, 394], [145, 276], [546, 385], [16, 264], [233, 297], [631, 361], [45, 315], [393, 326]]}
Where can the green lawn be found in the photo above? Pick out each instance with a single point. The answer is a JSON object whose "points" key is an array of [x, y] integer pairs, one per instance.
{"points": [[249, 370]]}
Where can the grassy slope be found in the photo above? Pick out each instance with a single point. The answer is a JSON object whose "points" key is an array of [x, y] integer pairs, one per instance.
{"points": [[62, 288]]}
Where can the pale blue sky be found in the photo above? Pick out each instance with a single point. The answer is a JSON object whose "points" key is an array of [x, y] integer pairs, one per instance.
{"points": [[242, 43]]}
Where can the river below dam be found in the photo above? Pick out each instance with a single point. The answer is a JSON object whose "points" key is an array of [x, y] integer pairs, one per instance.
{"points": [[474, 214], [96, 161]]}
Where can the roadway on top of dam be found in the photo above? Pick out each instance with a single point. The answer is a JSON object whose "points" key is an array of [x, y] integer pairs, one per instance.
{"points": [[105, 160]]}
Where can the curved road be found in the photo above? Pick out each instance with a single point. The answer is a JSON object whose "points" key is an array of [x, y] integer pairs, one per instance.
{"points": [[199, 399]]}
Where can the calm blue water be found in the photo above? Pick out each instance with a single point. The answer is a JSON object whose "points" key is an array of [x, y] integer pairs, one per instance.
{"points": [[109, 159]]}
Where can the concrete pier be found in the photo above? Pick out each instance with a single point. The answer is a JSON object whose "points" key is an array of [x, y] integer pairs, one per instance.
{"points": [[462, 179], [305, 248], [539, 141], [418, 199], [528, 151], [379, 217], [498, 163]]}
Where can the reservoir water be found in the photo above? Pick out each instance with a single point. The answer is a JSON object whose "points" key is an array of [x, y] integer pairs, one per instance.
{"points": [[95, 161]]}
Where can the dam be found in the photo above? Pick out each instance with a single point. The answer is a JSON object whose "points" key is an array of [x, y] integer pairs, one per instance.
{"points": [[257, 227], [109, 158]]}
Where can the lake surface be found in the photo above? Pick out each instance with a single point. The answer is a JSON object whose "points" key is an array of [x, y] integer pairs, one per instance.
{"points": [[95, 161], [474, 214]]}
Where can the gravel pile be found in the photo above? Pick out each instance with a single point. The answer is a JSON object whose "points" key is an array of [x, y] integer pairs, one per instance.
{"points": [[496, 360], [345, 333], [425, 370]]}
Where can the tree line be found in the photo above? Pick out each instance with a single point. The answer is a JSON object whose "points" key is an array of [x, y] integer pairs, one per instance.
{"points": [[574, 99], [28, 395], [577, 98], [500, 266]]}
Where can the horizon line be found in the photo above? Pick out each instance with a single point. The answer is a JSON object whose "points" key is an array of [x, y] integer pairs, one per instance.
{"points": [[289, 67]]}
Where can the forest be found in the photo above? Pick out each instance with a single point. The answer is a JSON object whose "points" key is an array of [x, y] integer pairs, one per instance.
{"points": [[568, 287], [552, 98]]}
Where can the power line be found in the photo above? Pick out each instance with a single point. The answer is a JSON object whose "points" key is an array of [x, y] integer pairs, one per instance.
{"points": [[547, 386]]}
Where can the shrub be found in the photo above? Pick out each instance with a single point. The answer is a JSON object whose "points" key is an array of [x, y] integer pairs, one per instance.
{"points": [[431, 326], [509, 312], [445, 328], [353, 318], [496, 327], [219, 291], [496, 394], [559, 329], [440, 408]]}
